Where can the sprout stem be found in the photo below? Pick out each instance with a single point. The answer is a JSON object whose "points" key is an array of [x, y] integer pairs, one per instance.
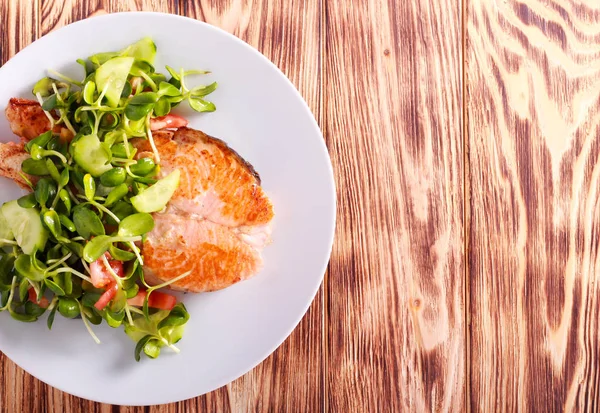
{"points": [[77, 273], [171, 346], [149, 80], [56, 264], [48, 115], [87, 326], [104, 209], [135, 310], [53, 303], [36, 287], [63, 77], [151, 139], [126, 145], [85, 265], [129, 318], [68, 123], [123, 160], [171, 281], [112, 272], [136, 251], [13, 284], [7, 242], [56, 153], [72, 196], [99, 101]]}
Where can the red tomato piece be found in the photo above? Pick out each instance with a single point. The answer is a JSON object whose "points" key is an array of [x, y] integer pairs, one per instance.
{"points": [[168, 122], [158, 300], [101, 277], [108, 295], [43, 303]]}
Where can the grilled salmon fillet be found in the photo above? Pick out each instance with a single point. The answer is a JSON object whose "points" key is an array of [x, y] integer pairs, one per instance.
{"points": [[217, 222], [26, 118], [12, 156], [214, 253]]}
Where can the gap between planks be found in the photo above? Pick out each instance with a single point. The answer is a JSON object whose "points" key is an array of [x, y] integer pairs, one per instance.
{"points": [[466, 211]]}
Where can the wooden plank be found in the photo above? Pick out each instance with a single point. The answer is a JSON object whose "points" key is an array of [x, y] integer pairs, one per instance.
{"points": [[55, 14], [533, 78], [292, 378], [19, 391], [20, 26], [393, 120]]}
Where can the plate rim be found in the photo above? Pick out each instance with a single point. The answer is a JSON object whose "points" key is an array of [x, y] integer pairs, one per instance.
{"points": [[329, 233]]}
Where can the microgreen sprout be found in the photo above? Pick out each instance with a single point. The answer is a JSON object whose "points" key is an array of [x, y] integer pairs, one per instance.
{"points": [[72, 246]]}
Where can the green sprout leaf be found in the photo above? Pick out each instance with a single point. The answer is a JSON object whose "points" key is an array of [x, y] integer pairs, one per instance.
{"points": [[177, 317], [136, 224], [43, 86], [50, 320], [87, 222], [115, 195], [200, 91], [54, 287], [50, 103], [162, 107], [51, 219], [41, 140], [113, 177], [88, 92], [27, 201], [140, 346], [167, 89], [25, 267], [34, 167], [89, 186], [201, 105], [23, 289], [96, 247]]}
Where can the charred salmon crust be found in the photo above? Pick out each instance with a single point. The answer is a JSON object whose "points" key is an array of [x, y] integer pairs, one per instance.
{"points": [[26, 118], [226, 148], [144, 145], [12, 156], [216, 223]]}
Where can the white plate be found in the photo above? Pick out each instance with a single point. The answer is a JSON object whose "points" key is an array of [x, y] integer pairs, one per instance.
{"points": [[262, 116]]}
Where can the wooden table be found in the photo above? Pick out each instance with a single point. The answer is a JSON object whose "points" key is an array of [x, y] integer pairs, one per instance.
{"points": [[465, 139]]}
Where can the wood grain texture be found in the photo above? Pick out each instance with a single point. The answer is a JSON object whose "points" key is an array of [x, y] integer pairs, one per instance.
{"points": [[533, 76], [292, 378], [395, 305], [19, 24], [55, 14]]}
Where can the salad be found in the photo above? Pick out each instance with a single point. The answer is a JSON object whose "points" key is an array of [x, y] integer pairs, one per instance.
{"points": [[72, 246]]}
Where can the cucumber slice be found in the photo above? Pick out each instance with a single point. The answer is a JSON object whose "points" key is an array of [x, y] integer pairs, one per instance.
{"points": [[144, 49], [26, 225], [101, 58], [91, 155], [114, 74], [156, 197], [5, 231]]}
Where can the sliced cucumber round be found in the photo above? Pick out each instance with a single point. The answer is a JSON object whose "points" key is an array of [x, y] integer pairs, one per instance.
{"points": [[143, 49], [112, 75], [89, 153], [5, 231], [26, 226], [156, 197]]}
